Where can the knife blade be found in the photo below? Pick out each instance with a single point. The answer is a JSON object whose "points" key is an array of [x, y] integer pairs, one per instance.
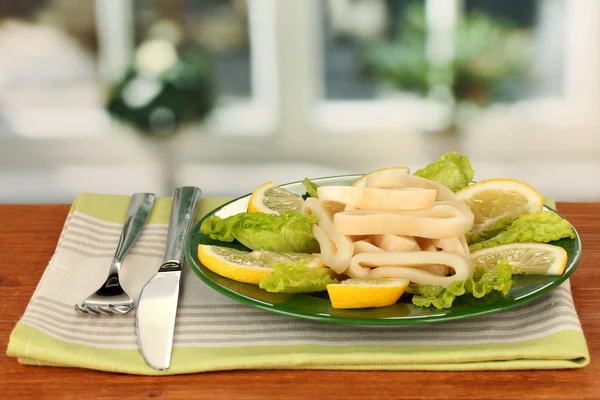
{"points": [[157, 305]]}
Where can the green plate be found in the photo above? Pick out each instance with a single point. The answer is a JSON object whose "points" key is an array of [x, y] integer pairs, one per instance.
{"points": [[316, 306]]}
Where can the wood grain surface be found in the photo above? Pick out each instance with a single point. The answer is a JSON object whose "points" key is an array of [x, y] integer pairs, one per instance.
{"points": [[28, 236]]}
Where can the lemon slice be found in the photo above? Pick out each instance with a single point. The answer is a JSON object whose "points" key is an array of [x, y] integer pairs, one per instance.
{"points": [[366, 293], [492, 199], [249, 267], [526, 258], [271, 199], [362, 181]]}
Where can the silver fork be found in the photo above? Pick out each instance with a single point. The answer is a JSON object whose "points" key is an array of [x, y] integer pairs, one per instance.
{"points": [[111, 298]]}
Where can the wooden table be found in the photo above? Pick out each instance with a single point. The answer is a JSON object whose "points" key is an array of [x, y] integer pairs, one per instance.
{"points": [[28, 236]]}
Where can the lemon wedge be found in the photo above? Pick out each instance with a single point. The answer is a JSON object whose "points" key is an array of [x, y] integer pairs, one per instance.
{"points": [[271, 199], [249, 267], [362, 181], [492, 199], [366, 293], [525, 258]]}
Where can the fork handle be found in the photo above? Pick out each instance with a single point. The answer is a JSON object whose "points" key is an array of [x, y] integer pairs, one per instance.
{"points": [[185, 200], [137, 215]]}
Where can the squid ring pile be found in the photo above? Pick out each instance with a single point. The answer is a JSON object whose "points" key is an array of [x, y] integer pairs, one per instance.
{"points": [[395, 226]]}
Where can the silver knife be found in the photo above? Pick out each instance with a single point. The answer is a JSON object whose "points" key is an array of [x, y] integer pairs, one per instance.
{"points": [[157, 304]]}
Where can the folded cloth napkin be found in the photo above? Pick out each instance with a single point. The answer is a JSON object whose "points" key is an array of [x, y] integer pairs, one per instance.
{"points": [[214, 332]]}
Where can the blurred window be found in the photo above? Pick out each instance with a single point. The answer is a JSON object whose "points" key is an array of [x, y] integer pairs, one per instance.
{"points": [[482, 52], [48, 64], [59, 58], [219, 27]]}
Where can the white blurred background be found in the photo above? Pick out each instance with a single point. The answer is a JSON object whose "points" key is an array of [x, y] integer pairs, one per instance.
{"points": [[301, 88]]}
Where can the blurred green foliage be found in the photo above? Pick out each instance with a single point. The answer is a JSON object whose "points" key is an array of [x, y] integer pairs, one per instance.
{"points": [[491, 59], [158, 102]]}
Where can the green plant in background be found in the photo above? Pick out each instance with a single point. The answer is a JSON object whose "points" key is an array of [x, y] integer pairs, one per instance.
{"points": [[491, 60], [165, 86], [401, 63]]}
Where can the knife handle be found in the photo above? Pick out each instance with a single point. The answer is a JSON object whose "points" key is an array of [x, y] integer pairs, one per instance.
{"points": [[185, 200]]}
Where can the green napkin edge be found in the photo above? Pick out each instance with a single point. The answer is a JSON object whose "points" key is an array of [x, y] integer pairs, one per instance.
{"points": [[113, 207], [561, 350]]}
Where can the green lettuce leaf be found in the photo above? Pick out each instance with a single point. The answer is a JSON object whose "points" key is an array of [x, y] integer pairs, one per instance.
{"points": [[311, 189], [499, 226], [290, 231], [290, 277], [450, 170], [218, 228], [540, 227], [483, 282]]}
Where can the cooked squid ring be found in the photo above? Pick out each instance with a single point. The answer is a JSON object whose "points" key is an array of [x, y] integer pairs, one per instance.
{"points": [[378, 199], [465, 209], [389, 242], [362, 246], [386, 179], [403, 265], [464, 244], [336, 249], [453, 245], [438, 222], [436, 269]]}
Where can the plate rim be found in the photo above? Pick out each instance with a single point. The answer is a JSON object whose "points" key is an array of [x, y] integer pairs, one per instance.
{"points": [[391, 321]]}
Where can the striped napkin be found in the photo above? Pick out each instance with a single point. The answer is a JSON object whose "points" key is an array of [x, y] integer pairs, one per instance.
{"points": [[214, 332]]}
